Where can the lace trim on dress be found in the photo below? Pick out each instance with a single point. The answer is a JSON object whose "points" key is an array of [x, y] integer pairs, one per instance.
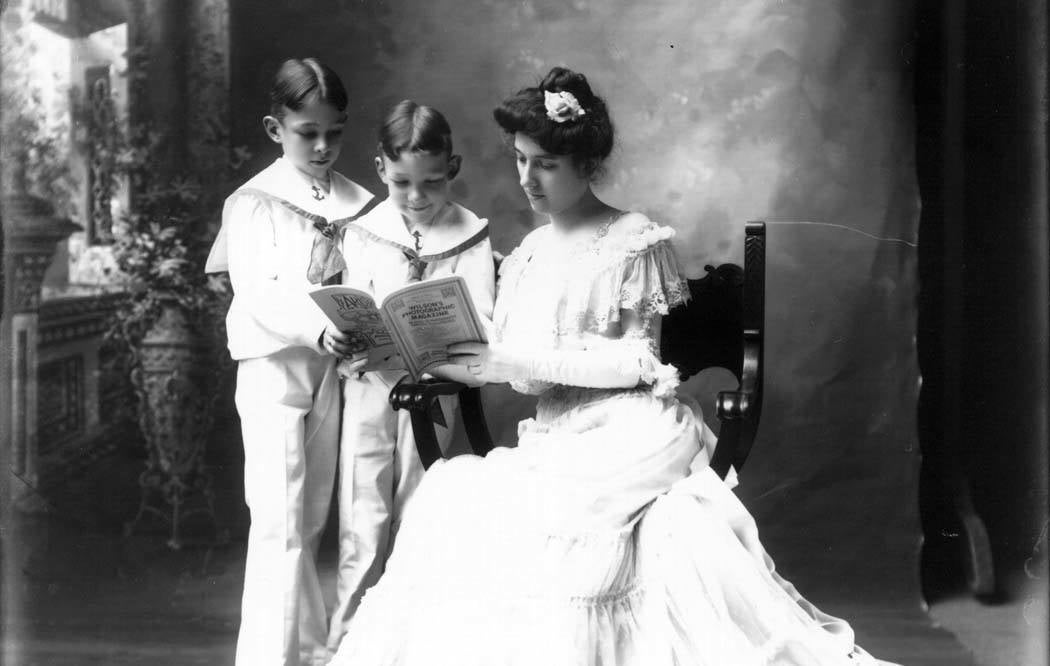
{"points": [[628, 264], [662, 378], [651, 282], [647, 283], [628, 597], [558, 402], [529, 386]]}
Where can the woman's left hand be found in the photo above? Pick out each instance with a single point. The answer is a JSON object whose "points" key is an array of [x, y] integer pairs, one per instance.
{"points": [[491, 363]]}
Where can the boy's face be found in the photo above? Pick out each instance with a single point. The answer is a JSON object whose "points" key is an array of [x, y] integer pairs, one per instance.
{"points": [[310, 137], [418, 183]]}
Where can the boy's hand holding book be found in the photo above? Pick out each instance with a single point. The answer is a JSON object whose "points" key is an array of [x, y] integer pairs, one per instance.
{"points": [[343, 344], [352, 350]]}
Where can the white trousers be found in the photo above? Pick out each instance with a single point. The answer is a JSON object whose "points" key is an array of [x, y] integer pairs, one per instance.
{"points": [[379, 469], [289, 408]]}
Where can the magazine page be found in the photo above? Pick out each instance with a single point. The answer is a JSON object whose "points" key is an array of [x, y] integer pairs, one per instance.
{"points": [[355, 311], [426, 317]]}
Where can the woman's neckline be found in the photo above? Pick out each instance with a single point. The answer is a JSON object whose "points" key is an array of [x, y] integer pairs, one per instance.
{"points": [[585, 238], [583, 213], [589, 225]]}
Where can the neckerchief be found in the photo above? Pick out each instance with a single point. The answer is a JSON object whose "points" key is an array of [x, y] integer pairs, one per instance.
{"points": [[326, 261]]}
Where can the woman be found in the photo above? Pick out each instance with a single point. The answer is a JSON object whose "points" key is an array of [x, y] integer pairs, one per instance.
{"points": [[591, 542]]}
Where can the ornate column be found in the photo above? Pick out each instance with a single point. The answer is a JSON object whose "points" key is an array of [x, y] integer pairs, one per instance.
{"points": [[208, 76], [31, 232], [157, 37]]}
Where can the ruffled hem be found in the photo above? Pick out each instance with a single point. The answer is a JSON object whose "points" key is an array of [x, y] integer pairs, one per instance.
{"points": [[462, 631], [700, 559], [633, 629], [701, 592]]}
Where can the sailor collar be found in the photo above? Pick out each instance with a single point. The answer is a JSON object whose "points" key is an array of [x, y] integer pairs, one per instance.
{"points": [[452, 231], [282, 181], [285, 185]]}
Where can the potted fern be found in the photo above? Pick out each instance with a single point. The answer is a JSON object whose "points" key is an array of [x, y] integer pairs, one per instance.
{"points": [[171, 327]]}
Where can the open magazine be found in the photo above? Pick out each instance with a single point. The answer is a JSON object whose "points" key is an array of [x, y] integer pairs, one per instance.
{"points": [[417, 321]]}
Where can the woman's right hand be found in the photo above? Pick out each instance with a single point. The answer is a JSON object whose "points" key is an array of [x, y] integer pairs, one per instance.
{"points": [[456, 373], [490, 363]]}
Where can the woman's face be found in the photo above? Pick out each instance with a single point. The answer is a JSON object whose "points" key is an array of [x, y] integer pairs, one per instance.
{"points": [[551, 182]]}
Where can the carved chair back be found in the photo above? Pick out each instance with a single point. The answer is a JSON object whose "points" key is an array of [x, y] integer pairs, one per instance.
{"points": [[721, 326]]}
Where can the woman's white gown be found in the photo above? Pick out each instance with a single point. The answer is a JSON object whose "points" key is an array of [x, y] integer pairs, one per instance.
{"points": [[591, 542]]}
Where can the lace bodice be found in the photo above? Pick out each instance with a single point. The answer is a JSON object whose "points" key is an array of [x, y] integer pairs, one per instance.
{"points": [[562, 295]]}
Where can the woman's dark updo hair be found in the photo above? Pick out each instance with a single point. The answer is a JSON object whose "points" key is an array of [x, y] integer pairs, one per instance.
{"points": [[587, 138], [298, 82], [414, 128]]}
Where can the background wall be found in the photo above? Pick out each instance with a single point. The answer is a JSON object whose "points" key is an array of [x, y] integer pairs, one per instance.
{"points": [[761, 109]]}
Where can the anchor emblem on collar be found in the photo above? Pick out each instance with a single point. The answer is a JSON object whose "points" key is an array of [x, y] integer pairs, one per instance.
{"points": [[318, 195]]}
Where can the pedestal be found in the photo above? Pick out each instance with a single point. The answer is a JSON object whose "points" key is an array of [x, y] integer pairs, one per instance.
{"points": [[31, 232]]}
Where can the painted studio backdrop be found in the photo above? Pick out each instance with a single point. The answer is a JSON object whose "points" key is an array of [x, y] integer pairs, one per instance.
{"points": [[795, 112], [726, 112]]}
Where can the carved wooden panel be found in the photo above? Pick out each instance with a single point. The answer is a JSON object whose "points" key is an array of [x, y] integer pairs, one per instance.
{"points": [[28, 273], [101, 147], [60, 402], [20, 404], [80, 318]]}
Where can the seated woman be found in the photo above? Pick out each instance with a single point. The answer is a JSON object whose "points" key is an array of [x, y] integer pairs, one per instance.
{"points": [[591, 542]]}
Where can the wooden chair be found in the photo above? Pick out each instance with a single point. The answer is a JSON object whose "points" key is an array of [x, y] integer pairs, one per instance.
{"points": [[722, 326]]}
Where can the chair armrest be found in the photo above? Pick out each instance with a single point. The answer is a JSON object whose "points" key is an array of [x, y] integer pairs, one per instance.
{"points": [[421, 401], [732, 405], [739, 411], [421, 395]]}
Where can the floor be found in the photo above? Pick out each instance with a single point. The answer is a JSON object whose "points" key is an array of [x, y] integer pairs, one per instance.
{"points": [[77, 591], [1008, 633]]}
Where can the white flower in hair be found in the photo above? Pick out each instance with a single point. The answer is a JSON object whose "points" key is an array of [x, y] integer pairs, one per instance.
{"points": [[562, 106]]}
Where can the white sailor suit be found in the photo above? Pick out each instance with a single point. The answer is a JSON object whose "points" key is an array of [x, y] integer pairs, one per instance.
{"points": [[379, 467], [288, 400]]}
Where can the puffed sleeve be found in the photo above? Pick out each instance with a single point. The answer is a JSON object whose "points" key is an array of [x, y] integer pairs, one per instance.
{"points": [[650, 282], [279, 310], [649, 286]]}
